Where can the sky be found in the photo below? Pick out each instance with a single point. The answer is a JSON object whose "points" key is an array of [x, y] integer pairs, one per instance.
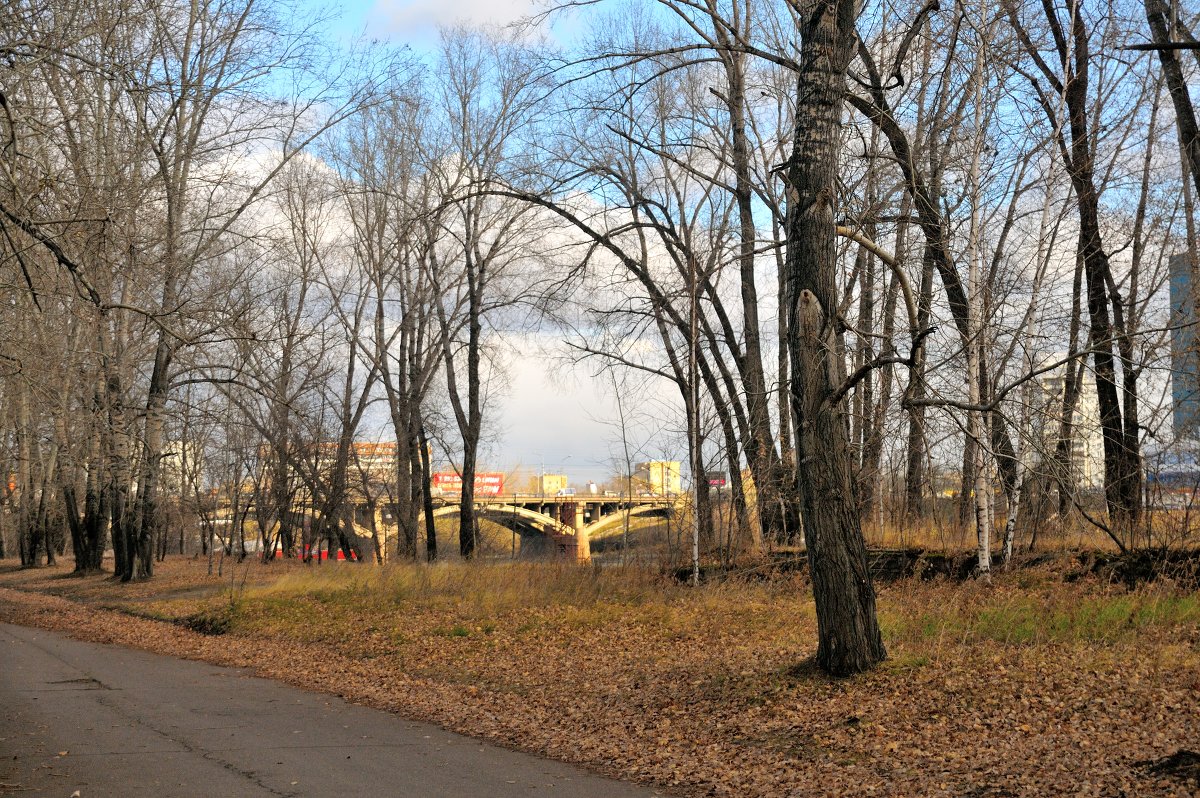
{"points": [[566, 417], [415, 22]]}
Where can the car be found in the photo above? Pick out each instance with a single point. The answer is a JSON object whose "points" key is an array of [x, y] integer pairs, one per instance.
{"points": [[566, 492]]}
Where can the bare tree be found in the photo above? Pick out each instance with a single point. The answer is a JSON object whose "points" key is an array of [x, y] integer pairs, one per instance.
{"points": [[1067, 75], [395, 208], [489, 94]]}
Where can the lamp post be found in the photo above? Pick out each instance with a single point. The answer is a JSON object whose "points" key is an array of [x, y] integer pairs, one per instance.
{"points": [[563, 466]]}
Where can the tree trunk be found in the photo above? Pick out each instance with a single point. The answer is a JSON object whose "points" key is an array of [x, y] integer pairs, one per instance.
{"points": [[1177, 84], [849, 637], [1062, 468], [771, 491], [119, 476], [25, 536], [96, 493], [148, 520], [914, 471], [431, 552], [468, 523]]}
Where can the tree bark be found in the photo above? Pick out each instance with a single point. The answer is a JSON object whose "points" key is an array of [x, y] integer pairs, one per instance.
{"points": [[1177, 85], [431, 551], [849, 637]]}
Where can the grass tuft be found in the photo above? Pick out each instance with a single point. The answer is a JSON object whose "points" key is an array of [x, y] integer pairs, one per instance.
{"points": [[1057, 614]]}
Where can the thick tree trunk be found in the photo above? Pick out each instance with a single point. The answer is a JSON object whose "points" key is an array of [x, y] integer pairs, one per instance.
{"points": [[26, 541], [71, 511], [468, 522], [772, 491], [849, 636], [1177, 84], [403, 407], [431, 552], [418, 487], [407, 513], [470, 418], [96, 498], [148, 514], [119, 476], [915, 481]]}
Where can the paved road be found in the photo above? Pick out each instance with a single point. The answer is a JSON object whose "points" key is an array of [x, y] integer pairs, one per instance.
{"points": [[134, 724]]}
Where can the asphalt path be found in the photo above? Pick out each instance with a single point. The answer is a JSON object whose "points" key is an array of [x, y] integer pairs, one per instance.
{"points": [[93, 720]]}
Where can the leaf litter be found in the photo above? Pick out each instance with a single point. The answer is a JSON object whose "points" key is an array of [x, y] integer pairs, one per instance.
{"points": [[709, 692]]}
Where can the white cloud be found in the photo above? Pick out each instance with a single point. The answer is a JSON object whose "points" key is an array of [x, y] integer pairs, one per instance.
{"points": [[565, 416], [418, 20]]}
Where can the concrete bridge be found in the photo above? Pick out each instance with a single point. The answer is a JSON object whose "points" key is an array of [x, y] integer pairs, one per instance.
{"points": [[568, 523], [562, 525]]}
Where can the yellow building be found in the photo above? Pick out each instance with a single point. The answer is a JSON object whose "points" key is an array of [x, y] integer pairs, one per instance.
{"points": [[548, 484], [661, 477]]}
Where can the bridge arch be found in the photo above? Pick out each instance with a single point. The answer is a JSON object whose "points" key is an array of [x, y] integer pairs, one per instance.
{"points": [[615, 520], [515, 517]]}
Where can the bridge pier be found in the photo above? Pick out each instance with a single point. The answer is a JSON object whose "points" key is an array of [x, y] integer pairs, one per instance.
{"points": [[583, 547], [577, 546]]}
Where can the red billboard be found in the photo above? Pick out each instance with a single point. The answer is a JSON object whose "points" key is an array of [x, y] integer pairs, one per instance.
{"points": [[487, 483]]}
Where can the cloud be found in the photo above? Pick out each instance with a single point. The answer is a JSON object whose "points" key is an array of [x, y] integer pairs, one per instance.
{"points": [[419, 19], [564, 416]]}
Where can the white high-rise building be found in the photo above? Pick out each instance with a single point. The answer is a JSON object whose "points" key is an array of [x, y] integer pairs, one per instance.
{"points": [[1087, 440]]}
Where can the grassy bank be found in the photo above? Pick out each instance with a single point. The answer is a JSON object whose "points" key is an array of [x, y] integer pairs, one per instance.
{"points": [[1029, 686]]}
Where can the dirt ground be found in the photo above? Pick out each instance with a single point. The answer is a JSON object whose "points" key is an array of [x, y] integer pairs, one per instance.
{"points": [[1028, 686]]}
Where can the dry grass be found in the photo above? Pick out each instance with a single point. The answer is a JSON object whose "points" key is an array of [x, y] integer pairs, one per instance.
{"points": [[1029, 686], [946, 535], [941, 531]]}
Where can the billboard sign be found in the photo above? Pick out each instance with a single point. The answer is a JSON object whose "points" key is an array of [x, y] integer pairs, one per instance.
{"points": [[486, 483], [715, 480]]}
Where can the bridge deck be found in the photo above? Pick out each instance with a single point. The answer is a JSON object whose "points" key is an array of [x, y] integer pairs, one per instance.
{"points": [[531, 499]]}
